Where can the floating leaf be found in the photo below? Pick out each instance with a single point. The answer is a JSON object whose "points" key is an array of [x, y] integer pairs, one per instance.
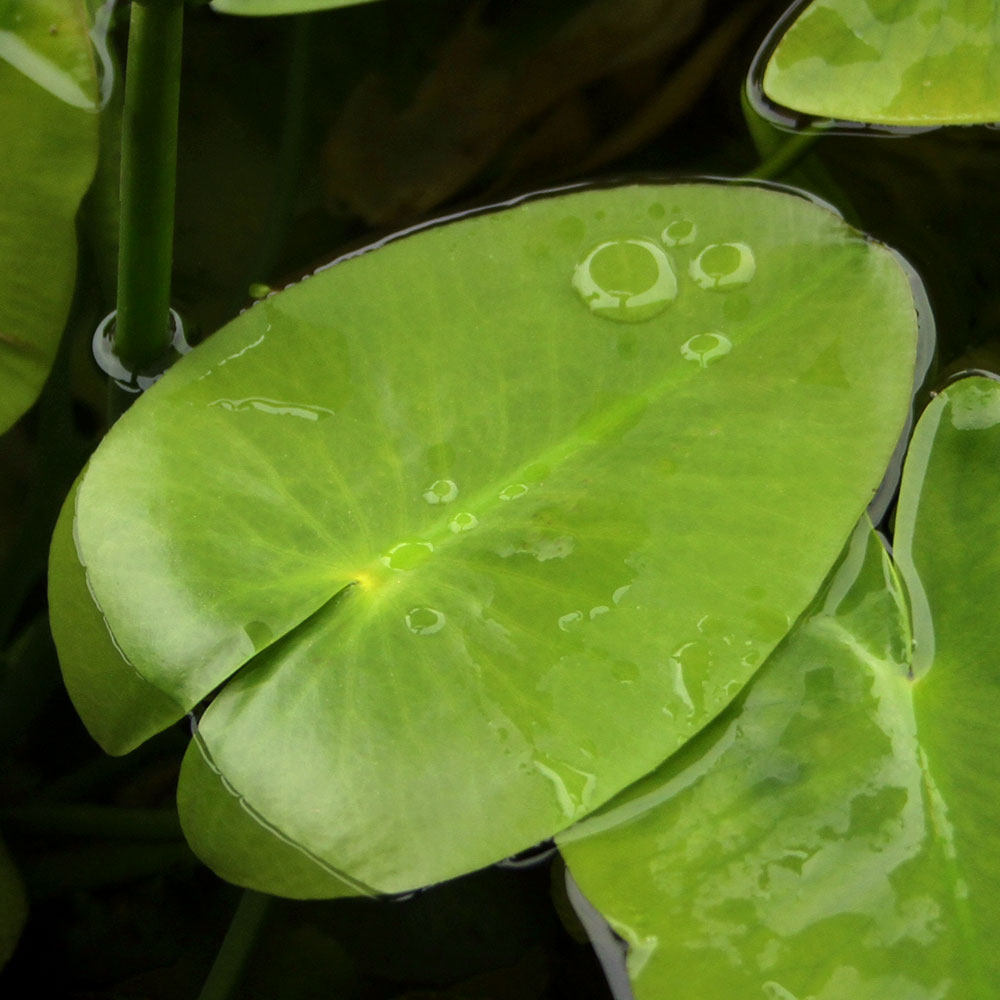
{"points": [[49, 143], [890, 62], [476, 528], [256, 8], [835, 833]]}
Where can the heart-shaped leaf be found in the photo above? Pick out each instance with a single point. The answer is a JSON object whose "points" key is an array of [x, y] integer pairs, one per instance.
{"points": [[837, 832], [257, 8], [493, 517], [49, 140], [890, 62]]}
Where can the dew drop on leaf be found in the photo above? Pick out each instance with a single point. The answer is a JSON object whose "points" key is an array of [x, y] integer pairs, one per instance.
{"points": [[706, 348], [424, 621], [626, 280], [679, 233], [463, 521], [441, 491], [723, 265]]}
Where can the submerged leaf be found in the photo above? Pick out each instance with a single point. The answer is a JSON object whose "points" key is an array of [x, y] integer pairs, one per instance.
{"points": [[476, 528], [835, 833], [891, 62]]}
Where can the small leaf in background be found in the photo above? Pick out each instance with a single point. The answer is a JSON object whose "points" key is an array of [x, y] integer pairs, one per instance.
{"points": [[476, 528], [259, 8], [835, 833], [48, 134], [890, 62]]}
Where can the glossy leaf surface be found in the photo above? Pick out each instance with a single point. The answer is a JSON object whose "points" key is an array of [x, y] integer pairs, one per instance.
{"points": [[493, 517], [256, 8], [49, 141], [891, 62], [834, 834]]}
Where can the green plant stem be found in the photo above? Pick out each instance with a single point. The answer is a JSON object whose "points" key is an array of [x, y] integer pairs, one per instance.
{"points": [[227, 969], [106, 822], [786, 155], [288, 168], [149, 161]]}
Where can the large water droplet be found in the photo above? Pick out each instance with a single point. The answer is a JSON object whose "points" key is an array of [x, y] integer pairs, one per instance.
{"points": [[424, 621], [442, 491], [723, 265], [463, 521], [407, 555], [679, 233], [627, 280], [706, 348]]}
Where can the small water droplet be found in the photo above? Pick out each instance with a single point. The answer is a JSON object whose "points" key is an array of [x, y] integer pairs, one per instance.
{"points": [[513, 491], [567, 621], [463, 521], [441, 491], [626, 280], [601, 609], [424, 621], [657, 211], [407, 555], [679, 233], [706, 348], [723, 265], [616, 597]]}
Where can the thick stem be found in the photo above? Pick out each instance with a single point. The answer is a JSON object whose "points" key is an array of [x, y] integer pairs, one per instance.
{"points": [[786, 155], [149, 160], [227, 970]]}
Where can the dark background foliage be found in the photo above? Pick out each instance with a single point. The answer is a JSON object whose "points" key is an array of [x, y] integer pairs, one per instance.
{"points": [[301, 138]]}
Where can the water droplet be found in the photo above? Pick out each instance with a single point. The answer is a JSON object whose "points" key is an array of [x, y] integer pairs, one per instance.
{"points": [[567, 621], [601, 609], [442, 491], [513, 491], [723, 265], [616, 597], [706, 348], [679, 233], [627, 280], [424, 621], [463, 521], [276, 407], [657, 211], [407, 555]]}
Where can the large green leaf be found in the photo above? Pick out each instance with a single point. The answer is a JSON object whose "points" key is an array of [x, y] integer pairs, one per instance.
{"points": [[48, 134], [891, 62], [13, 906], [836, 834], [256, 8], [494, 517]]}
